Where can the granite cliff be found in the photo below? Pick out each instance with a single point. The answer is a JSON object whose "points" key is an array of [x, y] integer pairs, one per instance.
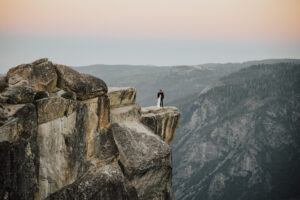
{"points": [[65, 135]]}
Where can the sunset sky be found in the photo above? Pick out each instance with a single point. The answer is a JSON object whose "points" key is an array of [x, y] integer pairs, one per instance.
{"points": [[160, 32]]}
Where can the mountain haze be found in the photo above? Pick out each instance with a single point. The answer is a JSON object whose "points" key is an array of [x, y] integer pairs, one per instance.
{"points": [[239, 139], [177, 82]]}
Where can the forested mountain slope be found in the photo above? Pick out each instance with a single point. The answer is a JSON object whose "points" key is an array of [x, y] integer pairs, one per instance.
{"points": [[240, 138]]}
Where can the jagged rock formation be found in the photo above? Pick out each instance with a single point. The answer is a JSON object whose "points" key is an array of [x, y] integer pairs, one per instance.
{"points": [[145, 158], [60, 139]]}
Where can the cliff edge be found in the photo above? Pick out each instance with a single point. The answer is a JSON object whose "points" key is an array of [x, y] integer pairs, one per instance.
{"points": [[65, 135]]}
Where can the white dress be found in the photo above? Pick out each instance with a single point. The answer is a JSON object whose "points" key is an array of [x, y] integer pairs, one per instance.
{"points": [[158, 101]]}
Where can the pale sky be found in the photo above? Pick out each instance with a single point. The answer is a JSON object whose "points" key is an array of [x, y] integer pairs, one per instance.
{"points": [[160, 32]]}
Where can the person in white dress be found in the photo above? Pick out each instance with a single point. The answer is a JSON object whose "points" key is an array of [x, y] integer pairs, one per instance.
{"points": [[158, 102], [160, 99]]}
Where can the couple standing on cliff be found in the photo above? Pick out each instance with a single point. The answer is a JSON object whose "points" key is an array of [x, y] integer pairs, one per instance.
{"points": [[160, 99]]}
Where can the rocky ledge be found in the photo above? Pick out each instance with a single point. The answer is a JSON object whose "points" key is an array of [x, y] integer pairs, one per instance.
{"points": [[120, 96], [65, 135], [162, 121]]}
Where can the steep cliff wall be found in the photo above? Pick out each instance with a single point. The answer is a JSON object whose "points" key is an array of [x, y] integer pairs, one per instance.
{"points": [[61, 139], [162, 121], [144, 157]]}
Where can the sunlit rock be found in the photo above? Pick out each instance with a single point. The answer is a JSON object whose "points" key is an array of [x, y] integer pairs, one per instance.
{"points": [[40, 75], [162, 121], [85, 86], [120, 96]]}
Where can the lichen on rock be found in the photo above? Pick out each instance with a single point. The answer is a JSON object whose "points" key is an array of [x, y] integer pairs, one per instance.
{"points": [[18, 94]]}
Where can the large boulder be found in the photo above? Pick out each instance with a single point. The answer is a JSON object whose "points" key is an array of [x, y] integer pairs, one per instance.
{"points": [[145, 159], [17, 94], [49, 109], [40, 75], [85, 86], [100, 182]]}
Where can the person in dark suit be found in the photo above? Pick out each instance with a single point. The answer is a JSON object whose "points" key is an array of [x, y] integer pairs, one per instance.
{"points": [[160, 97]]}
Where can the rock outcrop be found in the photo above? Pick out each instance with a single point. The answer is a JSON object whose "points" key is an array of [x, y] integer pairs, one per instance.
{"points": [[64, 136], [162, 121], [85, 86], [17, 94], [40, 75], [144, 157], [120, 96]]}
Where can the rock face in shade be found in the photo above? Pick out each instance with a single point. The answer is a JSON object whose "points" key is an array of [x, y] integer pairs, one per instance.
{"points": [[19, 155], [59, 148], [18, 94], [100, 182], [3, 84], [121, 96], [85, 86], [162, 121]]}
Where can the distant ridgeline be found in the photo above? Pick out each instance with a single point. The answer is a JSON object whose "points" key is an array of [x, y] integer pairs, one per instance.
{"points": [[65, 135], [240, 138], [178, 83]]}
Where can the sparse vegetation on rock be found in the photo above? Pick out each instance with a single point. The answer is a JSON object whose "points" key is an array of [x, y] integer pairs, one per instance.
{"points": [[68, 95], [41, 95]]}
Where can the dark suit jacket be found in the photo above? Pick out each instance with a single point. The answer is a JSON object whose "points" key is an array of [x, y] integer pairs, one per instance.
{"points": [[162, 95]]}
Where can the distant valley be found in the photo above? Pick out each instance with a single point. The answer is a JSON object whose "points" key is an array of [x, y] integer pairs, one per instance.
{"points": [[179, 83], [240, 138], [239, 133]]}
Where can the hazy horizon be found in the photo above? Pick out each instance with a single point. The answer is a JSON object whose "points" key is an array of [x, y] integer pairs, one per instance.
{"points": [[134, 32], [4, 70]]}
